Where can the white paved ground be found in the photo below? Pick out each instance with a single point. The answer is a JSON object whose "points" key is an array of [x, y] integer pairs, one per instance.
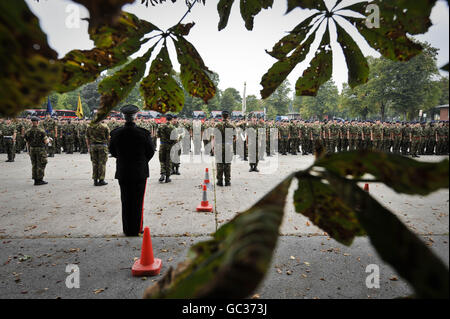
{"points": [[70, 206], [71, 221]]}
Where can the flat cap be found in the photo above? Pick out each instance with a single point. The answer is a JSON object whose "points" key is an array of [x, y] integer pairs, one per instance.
{"points": [[129, 109]]}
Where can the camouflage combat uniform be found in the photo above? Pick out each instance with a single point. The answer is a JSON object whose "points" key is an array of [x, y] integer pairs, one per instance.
{"points": [[35, 138], [98, 138]]}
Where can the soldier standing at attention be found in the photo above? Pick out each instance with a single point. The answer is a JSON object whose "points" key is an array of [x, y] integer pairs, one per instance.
{"points": [[133, 148], [164, 132], [294, 134], [223, 146], [51, 129], [82, 133], [69, 136], [9, 139], [36, 140], [253, 141], [97, 139]]}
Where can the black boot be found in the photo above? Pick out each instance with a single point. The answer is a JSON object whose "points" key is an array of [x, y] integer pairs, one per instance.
{"points": [[95, 182], [102, 183], [168, 180], [227, 184], [220, 183], [177, 170], [40, 182], [251, 168], [162, 178], [255, 169]]}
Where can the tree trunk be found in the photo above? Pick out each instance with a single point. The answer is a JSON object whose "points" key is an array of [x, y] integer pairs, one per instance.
{"points": [[383, 111]]}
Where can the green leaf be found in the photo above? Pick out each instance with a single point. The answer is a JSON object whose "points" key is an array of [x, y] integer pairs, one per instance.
{"points": [[445, 67], [402, 174], [115, 88], [194, 73], [397, 19], [103, 11], [234, 262], [182, 29], [358, 67], [288, 43], [317, 201], [306, 4], [224, 9], [319, 71], [281, 69], [125, 32], [160, 90], [28, 69], [115, 44], [250, 8], [395, 243]]}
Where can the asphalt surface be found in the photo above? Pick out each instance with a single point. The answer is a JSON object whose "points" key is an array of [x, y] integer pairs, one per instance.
{"points": [[71, 222]]}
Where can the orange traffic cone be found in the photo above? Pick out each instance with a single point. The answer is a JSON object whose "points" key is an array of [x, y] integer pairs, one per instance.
{"points": [[366, 187], [147, 265], [205, 206], [207, 182]]}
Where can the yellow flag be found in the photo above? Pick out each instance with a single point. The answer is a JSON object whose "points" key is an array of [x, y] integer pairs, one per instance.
{"points": [[79, 109]]}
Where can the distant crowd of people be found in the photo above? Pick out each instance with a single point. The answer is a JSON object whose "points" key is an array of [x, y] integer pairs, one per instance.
{"points": [[293, 137]]}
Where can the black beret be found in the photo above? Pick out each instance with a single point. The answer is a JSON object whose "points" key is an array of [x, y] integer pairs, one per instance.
{"points": [[129, 109], [169, 117], [225, 113], [34, 119]]}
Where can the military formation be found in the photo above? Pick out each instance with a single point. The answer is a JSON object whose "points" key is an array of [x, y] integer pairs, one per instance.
{"points": [[253, 139]]}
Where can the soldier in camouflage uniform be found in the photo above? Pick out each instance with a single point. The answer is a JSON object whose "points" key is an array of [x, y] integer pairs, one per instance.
{"points": [[430, 142], [69, 136], [423, 140], [20, 130], [377, 136], [397, 137], [9, 135], [97, 140], [293, 137], [440, 139], [333, 136], [164, 134], [82, 130], [416, 138], [51, 130], [353, 133], [59, 137], [283, 133], [36, 139], [223, 146], [406, 139]]}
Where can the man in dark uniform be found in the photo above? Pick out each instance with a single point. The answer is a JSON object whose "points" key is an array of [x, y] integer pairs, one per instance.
{"points": [[133, 148]]}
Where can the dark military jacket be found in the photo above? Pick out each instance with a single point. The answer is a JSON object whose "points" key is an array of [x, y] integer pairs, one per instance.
{"points": [[133, 148]]}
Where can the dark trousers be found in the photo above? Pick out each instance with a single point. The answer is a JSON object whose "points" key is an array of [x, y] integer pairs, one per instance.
{"points": [[132, 193]]}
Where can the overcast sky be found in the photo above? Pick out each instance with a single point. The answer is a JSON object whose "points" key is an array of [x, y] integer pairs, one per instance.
{"points": [[236, 54]]}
